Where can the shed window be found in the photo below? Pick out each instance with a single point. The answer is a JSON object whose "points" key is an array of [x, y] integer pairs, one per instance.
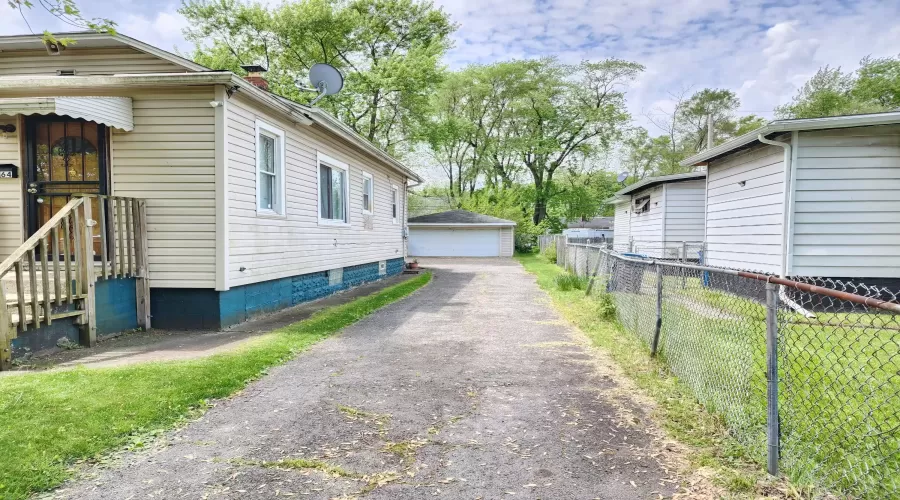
{"points": [[641, 204], [395, 203], [368, 193], [333, 191], [270, 169]]}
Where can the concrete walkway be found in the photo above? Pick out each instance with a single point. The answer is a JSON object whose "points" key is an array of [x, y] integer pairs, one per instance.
{"points": [[470, 388], [173, 345]]}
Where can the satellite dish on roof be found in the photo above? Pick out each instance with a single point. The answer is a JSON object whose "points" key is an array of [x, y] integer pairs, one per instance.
{"points": [[325, 79], [621, 178]]}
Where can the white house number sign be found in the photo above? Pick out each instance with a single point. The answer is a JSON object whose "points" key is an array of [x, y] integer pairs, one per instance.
{"points": [[8, 171]]}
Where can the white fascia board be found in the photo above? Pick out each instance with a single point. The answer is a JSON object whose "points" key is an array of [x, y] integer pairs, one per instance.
{"points": [[847, 121], [32, 82], [460, 224]]}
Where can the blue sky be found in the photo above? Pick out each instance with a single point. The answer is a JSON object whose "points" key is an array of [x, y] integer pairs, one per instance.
{"points": [[763, 50]]}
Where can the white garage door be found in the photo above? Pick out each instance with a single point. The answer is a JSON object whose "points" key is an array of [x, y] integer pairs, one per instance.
{"points": [[454, 242]]}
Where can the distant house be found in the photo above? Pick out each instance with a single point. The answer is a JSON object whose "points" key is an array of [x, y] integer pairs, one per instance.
{"points": [[596, 227], [813, 197], [661, 216]]}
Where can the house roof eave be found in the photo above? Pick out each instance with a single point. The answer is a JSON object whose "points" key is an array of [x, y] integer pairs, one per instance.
{"points": [[831, 122]]}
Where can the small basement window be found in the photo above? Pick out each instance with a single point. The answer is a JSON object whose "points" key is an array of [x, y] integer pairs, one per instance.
{"points": [[641, 204]]}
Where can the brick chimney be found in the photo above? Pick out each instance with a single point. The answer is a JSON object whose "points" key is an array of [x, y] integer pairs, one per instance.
{"points": [[255, 76]]}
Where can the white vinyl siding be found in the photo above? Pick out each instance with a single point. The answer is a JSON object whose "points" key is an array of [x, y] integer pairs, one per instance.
{"points": [[743, 223], [84, 62], [169, 160], [684, 214], [507, 243], [11, 223], [646, 227], [263, 249], [622, 226], [847, 203]]}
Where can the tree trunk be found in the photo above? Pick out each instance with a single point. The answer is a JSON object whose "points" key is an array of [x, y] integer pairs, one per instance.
{"points": [[540, 208]]}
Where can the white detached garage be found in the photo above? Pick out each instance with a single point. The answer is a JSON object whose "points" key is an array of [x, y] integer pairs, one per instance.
{"points": [[460, 233]]}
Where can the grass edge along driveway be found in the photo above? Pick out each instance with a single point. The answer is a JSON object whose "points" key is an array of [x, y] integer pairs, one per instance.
{"points": [[53, 420], [677, 411]]}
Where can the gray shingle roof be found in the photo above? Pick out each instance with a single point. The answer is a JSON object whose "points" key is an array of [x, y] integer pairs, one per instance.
{"points": [[459, 217]]}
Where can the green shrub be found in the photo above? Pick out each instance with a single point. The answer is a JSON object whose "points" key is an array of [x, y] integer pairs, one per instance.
{"points": [[568, 281], [550, 254], [606, 307]]}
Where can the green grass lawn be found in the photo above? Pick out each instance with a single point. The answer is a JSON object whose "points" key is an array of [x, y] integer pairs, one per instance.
{"points": [[839, 377], [54, 419]]}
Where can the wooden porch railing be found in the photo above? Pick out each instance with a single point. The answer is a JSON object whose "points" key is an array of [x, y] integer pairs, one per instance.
{"points": [[56, 268]]}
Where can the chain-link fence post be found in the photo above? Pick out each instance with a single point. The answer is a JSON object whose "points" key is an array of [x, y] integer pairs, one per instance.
{"points": [[594, 272], [772, 427], [659, 298]]}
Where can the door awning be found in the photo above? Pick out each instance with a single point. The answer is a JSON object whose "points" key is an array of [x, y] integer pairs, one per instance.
{"points": [[111, 111]]}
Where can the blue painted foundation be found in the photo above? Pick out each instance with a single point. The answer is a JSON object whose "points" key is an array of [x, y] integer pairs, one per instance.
{"points": [[204, 309], [116, 307]]}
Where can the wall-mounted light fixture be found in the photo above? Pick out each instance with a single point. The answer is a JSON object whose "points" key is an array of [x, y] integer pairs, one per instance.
{"points": [[7, 129]]}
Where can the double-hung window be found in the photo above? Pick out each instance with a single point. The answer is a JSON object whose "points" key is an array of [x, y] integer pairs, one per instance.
{"points": [[395, 204], [368, 193], [333, 190], [269, 169]]}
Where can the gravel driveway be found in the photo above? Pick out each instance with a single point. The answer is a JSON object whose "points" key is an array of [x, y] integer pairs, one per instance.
{"points": [[471, 388]]}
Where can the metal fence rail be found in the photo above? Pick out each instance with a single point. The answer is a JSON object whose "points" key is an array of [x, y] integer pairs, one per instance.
{"points": [[805, 372]]}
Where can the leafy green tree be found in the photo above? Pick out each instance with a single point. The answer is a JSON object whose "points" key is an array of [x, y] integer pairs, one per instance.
{"points": [[66, 11], [566, 115], [878, 82], [646, 156], [582, 195], [874, 87], [389, 51], [467, 129]]}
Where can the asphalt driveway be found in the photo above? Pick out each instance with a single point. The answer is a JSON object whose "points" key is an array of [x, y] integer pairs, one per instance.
{"points": [[471, 388]]}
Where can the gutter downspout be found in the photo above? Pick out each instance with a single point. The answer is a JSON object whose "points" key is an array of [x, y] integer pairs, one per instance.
{"points": [[786, 222]]}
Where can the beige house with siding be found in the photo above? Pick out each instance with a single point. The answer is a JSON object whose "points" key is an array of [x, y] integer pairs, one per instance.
{"points": [[812, 197], [253, 202]]}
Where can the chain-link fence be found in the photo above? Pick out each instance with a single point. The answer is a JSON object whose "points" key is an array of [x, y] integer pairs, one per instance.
{"points": [[805, 372]]}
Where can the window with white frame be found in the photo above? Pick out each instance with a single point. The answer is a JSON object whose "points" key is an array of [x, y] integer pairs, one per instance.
{"points": [[368, 193], [269, 169], [333, 190], [395, 204]]}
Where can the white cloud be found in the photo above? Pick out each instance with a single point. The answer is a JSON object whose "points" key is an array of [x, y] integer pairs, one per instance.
{"points": [[760, 49], [162, 29]]}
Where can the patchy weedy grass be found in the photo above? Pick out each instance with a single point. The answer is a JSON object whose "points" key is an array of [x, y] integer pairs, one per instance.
{"points": [[677, 410], [53, 420]]}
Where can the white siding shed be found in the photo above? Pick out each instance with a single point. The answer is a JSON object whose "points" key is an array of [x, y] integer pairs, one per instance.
{"points": [[834, 212]]}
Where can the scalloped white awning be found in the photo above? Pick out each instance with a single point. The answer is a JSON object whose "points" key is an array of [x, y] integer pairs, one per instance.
{"points": [[111, 111]]}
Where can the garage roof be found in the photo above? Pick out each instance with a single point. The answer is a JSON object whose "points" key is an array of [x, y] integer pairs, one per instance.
{"points": [[458, 218]]}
